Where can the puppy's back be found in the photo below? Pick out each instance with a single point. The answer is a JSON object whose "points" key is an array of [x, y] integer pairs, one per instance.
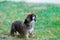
{"points": [[19, 26]]}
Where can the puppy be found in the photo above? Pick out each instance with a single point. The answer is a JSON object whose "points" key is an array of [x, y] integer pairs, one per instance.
{"points": [[24, 28]]}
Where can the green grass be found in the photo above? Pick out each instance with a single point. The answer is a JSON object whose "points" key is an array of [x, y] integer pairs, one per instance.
{"points": [[48, 19]]}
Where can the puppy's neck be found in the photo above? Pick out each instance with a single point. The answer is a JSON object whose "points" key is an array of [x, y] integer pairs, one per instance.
{"points": [[32, 23]]}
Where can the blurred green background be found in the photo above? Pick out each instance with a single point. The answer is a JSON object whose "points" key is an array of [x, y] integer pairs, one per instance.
{"points": [[47, 26]]}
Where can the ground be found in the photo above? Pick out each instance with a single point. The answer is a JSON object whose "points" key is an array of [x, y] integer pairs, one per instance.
{"points": [[47, 26]]}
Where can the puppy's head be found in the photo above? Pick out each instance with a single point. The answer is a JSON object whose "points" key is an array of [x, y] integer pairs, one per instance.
{"points": [[30, 18]]}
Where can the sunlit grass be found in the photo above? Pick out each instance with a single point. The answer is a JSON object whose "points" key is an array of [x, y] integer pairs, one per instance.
{"points": [[47, 24]]}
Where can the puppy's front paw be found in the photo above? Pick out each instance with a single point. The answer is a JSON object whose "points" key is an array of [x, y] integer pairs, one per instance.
{"points": [[33, 36], [26, 38]]}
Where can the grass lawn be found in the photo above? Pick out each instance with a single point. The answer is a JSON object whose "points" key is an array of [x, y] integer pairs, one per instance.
{"points": [[47, 26]]}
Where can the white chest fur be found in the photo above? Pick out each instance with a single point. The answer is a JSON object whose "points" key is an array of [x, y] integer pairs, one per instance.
{"points": [[32, 26]]}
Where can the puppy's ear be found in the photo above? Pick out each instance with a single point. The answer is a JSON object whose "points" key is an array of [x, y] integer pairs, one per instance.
{"points": [[27, 20], [35, 17]]}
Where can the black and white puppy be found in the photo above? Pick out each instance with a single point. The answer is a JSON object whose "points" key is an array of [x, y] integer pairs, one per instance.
{"points": [[24, 28]]}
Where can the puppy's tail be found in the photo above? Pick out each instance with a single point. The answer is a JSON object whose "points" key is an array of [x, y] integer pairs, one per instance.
{"points": [[12, 30]]}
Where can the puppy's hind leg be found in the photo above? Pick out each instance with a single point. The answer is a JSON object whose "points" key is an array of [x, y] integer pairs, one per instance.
{"points": [[12, 30]]}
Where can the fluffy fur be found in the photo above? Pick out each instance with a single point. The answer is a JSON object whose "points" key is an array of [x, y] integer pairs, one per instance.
{"points": [[24, 28]]}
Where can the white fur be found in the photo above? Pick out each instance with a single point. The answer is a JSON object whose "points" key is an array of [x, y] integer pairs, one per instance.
{"points": [[32, 25]]}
